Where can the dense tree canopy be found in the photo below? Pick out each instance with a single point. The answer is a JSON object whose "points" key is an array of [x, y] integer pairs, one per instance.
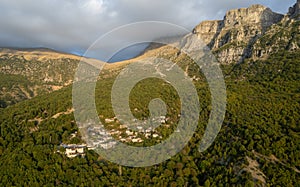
{"points": [[261, 126]]}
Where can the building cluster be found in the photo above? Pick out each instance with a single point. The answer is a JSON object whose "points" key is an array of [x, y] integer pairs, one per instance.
{"points": [[74, 150], [99, 137], [135, 136]]}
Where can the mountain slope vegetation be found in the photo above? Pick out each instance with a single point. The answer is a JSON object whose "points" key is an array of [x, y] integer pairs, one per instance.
{"points": [[260, 131], [258, 145]]}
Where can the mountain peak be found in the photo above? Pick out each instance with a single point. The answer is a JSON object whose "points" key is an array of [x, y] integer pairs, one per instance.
{"points": [[294, 12], [232, 37], [255, 14]]}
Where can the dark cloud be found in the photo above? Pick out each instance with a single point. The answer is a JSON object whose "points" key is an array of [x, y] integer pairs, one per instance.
{"points": [[72, 25]]}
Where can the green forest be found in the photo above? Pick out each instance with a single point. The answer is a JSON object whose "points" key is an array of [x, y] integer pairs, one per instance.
{"points": [[258, 145]]}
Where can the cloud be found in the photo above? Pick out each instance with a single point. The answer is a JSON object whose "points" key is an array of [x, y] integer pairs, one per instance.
{"points": [[73, 25], [95, 6]]}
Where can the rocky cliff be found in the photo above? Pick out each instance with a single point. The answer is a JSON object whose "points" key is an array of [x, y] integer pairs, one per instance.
{"points": [[253, 32], [294, 11], [282, 36], [231, 38]]}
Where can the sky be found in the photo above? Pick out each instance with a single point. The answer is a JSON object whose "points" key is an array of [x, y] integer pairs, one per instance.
{"points": [[73, 25]]}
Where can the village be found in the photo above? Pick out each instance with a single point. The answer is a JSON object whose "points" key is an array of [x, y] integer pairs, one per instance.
{"points": [[99, 137]]}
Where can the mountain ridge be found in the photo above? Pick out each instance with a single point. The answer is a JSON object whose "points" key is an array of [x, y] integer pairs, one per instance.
{"points": [[258, 144], [233, 38], [294, 11], [243, 34], [27, 73]]}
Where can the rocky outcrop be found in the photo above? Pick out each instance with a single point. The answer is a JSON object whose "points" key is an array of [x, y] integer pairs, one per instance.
{"points": [[282, 36], [253, 32], [231, 38], [294, 12], [209, 30], [258, 15]]}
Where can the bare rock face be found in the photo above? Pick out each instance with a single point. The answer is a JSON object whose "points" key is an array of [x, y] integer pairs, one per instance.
{"points": [[254, 32], [258, 15], [208, 30], [294, 12], [231, 38], [282, 36]]}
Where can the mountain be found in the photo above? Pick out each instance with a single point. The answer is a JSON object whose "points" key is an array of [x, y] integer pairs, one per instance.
{"points": [[27, 73], [246, 33], [294, 11], [258, 144], [232, 38]]}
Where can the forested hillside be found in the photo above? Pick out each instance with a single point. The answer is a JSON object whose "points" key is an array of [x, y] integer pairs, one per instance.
{"points": [[258, 143], [26, 73]]}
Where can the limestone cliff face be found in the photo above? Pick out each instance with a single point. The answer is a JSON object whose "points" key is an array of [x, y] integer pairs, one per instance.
{"points": [[231, 38], [208, 30], [282, 36], [253, 32], [294, 11]]}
